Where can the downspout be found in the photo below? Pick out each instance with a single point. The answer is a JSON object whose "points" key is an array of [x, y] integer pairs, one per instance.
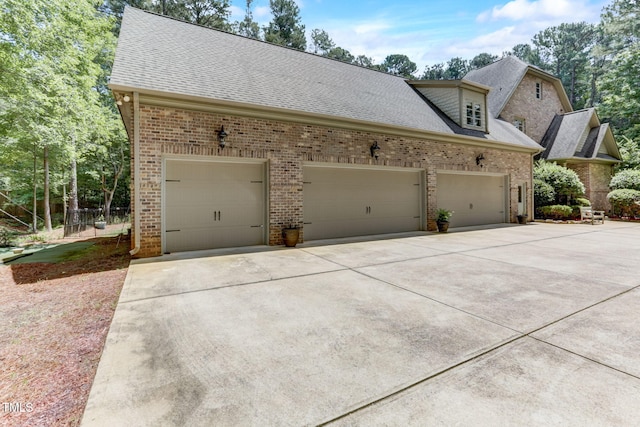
{"points": [[136, 172]]}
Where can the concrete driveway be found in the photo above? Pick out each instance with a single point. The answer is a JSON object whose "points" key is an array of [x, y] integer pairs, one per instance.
{"points": [[518, 325]]}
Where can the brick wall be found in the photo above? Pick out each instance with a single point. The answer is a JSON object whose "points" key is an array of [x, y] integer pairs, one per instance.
{"points": [[596, 178], [168, 131], [538, 113]]}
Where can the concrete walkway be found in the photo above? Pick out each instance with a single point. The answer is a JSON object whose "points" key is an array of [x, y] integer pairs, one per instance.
{"points": [[531, 325]]}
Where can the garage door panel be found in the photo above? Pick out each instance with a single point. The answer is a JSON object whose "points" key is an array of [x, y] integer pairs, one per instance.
{"points": [[213, 205], [475, 199], [344, 202]]}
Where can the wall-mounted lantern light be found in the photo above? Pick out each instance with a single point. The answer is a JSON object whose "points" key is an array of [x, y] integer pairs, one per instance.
{"points": [[479, 160], [121, 99], [221, 136], [375, 148]]}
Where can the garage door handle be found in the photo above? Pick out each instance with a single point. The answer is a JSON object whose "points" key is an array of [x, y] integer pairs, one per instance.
{"points": [[257, 226], [170, 231]]}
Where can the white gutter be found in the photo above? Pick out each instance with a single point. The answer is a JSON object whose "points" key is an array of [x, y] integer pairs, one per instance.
{"points": [[136, 172]]}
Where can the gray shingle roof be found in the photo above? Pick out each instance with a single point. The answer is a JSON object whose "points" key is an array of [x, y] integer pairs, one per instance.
{"points": [[578, 135], [166, 55], [160, 54], [503, 76]]}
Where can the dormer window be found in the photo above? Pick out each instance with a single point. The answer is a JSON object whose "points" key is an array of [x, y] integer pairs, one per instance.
{"points": [[538, 90], [473, 114], [464, 102]]}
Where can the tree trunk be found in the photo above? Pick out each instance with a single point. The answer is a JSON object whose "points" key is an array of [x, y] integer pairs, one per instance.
{"points": [[118, 168], [47, 210], [73, 185], [35, 191]]}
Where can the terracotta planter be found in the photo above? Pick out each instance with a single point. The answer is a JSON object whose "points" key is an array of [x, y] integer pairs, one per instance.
{"points": [[290, 237], [443, 226], [522, 219]]}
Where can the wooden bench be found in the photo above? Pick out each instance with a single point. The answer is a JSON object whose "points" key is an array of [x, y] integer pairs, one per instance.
{"points": [[587, 214]]}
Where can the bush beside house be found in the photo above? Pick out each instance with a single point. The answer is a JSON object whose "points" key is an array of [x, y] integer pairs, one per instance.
{"points": [[557, 191], [625, 194]]}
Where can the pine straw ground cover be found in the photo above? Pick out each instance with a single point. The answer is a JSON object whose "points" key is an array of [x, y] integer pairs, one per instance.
{"points": [[54, 319]]}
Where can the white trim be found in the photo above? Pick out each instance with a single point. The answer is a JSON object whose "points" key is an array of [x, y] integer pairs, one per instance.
{"points": [[457, 172], [136, 174], [360, 166]]}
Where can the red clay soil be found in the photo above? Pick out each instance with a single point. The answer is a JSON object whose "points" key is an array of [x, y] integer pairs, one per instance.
{"points": [[54, 320]]}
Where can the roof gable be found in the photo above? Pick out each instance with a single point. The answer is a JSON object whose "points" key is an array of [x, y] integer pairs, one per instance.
{"points": [[580, 135], [505, 75]]}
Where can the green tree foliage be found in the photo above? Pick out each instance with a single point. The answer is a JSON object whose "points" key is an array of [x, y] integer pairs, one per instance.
{"points": [[528, 54], [285, 28], [456, 68], [482, 60], [365, 61], [628, 178], [341, 54], [565, 182], [543, 193], [56, 56], [321, 43], [556, 211], [620, 81], [209, 13], [625, 202], [565, 50], [248, 27], [399, 65], [54, 50]]}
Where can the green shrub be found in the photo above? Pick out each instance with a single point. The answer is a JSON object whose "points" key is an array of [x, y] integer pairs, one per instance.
{"points": [[628, 178], [543, 193], [556, 211], [581, 201], [625, 202], [6, 237], [565, 183]]}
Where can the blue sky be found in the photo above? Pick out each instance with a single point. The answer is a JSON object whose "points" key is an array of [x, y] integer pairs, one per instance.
{"points": [[429, 32]]}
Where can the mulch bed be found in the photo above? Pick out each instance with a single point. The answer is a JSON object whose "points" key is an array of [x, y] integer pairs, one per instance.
{"points": [[54, 321]]}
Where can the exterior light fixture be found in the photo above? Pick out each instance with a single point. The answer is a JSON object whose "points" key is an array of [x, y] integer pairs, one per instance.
{"points": [[375, 148], [479, 160], [126, 98], [221, 136]]}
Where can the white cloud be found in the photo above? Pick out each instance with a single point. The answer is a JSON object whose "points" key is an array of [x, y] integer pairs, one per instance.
{"points": [[541, 10], [261, 11]]}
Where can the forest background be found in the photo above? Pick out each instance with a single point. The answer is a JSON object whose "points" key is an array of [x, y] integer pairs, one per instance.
{"points": [[62, 142]]}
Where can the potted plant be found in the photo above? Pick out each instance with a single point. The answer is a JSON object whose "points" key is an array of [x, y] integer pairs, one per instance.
{"points": [[100, 223], [443, 220], [522, 218], [290, 235]]}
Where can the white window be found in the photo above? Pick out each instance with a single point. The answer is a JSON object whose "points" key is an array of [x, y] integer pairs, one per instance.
{"points": [[520, 123], [538, 90], [474, 114]]}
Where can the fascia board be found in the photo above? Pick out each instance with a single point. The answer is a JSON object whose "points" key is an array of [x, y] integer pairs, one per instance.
{"points": [[189, 102]]}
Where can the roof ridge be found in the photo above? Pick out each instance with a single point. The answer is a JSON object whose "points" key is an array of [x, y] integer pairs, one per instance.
{"points": [[260, 41]]}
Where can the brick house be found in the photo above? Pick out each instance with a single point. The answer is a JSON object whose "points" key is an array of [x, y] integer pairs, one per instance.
{"points": [[234, 139], [537, 104]]}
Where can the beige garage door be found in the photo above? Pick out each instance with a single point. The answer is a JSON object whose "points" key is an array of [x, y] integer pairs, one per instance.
{"points": [[343, 202], [475, 199], [213, 205]]}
